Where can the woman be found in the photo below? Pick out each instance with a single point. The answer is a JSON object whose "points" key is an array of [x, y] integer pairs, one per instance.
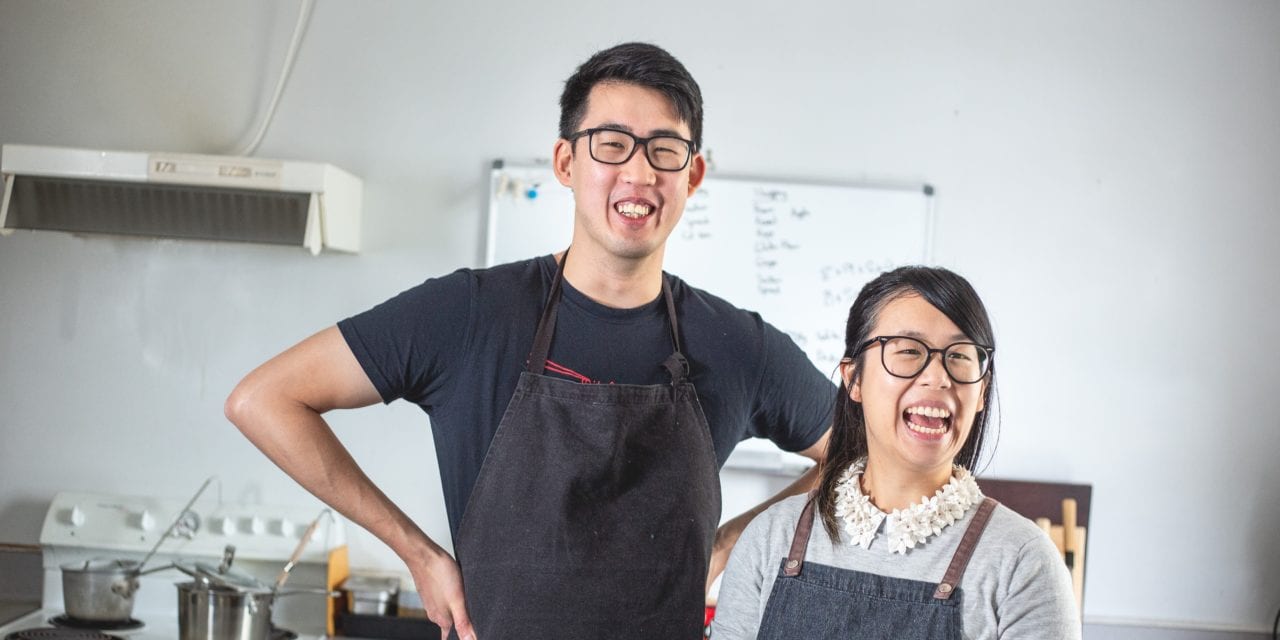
{"points": [[896, 497]]}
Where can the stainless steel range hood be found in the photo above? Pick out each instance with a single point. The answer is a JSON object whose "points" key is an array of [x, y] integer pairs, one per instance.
{"points": [[168, 195]]}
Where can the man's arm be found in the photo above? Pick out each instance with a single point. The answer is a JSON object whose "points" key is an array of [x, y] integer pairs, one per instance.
{"points": [[728, 533], [278, 406]]}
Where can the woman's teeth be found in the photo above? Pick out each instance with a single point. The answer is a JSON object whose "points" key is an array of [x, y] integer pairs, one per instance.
{"points": [[930, 412], [928, 420], [633, 209]]}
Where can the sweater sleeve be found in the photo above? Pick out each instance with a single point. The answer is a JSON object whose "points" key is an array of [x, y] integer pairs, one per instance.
{"points": [[1039, 601], [742, 597]]}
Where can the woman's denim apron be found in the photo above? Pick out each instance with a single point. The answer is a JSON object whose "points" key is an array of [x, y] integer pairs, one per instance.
{"points": [[816, 601]]}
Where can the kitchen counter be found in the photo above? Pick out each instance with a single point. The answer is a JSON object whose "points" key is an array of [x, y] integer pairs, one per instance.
{"points": [[10, 611]]}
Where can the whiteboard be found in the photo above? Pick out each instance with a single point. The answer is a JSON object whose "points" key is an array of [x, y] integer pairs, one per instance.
{"points": [[796, 252]]}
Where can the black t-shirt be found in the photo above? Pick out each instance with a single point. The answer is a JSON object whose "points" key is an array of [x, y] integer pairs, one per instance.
{"points": [[456, 345]]}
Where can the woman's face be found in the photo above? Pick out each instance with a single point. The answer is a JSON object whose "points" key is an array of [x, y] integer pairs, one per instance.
{"points": [[914, 424]]}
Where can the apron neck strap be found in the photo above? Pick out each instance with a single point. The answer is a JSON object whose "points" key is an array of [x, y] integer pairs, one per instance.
{"points": [[959, 561], [675, 364], [800, 543]]}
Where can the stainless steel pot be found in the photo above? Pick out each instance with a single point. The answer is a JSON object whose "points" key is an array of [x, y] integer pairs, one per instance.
{"points": [[222, 613], [218, 612], [100, 590]]}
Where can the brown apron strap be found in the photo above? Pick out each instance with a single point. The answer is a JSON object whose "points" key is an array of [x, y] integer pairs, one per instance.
{"points": [[965, 551], [800, 543], [537, 362]]}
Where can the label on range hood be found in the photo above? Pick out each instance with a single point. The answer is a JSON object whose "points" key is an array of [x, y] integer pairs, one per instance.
{"points": [[215, 171]]}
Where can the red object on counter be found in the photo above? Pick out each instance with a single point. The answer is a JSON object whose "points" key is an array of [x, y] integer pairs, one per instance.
{"points": [[706, 621]]}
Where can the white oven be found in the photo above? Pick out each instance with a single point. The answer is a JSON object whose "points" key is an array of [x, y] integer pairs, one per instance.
{"points": [[83, 526]]}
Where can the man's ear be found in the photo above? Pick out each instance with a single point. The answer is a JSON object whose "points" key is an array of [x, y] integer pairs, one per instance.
{"points": [[562, 160], [697, 171]]}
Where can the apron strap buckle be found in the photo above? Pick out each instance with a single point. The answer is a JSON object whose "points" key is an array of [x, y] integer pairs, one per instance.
{"points": [[678, 367]]}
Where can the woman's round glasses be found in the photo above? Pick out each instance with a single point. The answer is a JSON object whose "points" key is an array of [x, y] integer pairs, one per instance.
{"points": [[904, 357]]}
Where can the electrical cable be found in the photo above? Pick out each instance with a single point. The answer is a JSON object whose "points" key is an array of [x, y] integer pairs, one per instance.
{"points": [[299, 29]]}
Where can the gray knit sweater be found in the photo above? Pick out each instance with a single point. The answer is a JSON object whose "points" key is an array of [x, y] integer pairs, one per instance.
{"points": [[1016, 585]]}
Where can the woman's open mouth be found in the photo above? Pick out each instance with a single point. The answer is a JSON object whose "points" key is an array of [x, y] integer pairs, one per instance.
{"points": [[930, 422]]}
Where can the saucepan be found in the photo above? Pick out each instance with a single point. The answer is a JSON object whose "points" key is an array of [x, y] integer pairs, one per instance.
{"points": [[102, 589], [221, 603]]}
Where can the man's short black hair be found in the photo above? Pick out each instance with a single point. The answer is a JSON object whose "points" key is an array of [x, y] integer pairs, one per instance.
{"points": [[637, 63]]}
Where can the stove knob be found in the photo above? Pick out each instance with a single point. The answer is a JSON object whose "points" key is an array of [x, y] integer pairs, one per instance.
{"points": [[77, 516], [225, 525], [146, 521], [282, 527], [257, 525]]}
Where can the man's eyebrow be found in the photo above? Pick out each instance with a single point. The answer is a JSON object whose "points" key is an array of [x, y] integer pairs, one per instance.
{"points": [[614, 125], [656, 132]]}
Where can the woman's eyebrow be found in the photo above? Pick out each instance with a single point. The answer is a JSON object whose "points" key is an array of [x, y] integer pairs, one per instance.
{"points": [[911, 333]]}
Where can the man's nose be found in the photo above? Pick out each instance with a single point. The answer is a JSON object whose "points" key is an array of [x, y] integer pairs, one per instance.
{"points": [[638, 169]]}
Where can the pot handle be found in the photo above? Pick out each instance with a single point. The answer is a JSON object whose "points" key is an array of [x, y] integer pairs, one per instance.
{"points": [[171, 565], [125, 588], [326, 592]]}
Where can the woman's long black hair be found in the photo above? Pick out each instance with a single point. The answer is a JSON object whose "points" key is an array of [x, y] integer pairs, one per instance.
{"points": [[955, 298]]}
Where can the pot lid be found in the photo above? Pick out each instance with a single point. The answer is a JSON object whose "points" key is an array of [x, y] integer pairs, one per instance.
{"points": [[209, 574]]}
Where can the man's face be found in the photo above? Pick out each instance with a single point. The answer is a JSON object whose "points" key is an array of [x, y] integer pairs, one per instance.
{"points": [[625, 211]]}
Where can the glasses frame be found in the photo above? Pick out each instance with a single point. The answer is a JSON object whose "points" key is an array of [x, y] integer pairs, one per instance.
{"points": [[929, 351], [640, 143]]}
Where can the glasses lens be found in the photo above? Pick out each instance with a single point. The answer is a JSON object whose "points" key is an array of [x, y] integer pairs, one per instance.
{"points": [[904, 357], [668, 154], [611, 147], [965, 362]]}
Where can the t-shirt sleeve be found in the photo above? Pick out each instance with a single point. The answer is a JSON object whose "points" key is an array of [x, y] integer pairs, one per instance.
{"points": [[409, 344], [1039, 601], [794, 401]]}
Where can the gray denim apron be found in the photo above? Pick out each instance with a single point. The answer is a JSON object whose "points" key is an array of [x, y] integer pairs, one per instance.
{"points": [[817, 601], [596, 507]]}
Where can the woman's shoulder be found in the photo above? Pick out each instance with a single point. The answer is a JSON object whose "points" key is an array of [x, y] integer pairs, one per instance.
{"points": [[1016, 534], [783, 514], [777, 524]]}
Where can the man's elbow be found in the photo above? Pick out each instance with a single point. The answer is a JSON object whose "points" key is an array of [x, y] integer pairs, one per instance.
{"points": [[241, 404]]}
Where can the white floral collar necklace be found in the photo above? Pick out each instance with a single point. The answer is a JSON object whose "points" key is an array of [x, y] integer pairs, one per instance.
{"points": [[906, 527]]}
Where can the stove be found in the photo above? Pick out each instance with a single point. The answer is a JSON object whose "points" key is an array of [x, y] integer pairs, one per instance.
{"points": [[84, 526]]}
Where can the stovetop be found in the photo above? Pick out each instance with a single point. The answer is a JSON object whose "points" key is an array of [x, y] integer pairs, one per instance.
{"points": [[42, 625]]}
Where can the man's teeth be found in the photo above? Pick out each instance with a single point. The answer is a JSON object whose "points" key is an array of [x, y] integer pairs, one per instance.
{"points": [[931, 412], [633, 209]]}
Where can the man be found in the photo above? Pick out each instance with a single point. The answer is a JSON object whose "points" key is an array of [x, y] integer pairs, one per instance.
{"points": [[566, 394]]}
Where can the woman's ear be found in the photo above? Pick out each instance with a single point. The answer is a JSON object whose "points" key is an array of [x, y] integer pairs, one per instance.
{"points": [[982, 396], [848, 373]]}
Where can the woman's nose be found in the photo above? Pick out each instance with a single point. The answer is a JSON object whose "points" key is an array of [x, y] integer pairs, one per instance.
{"points": [[935, 372]]}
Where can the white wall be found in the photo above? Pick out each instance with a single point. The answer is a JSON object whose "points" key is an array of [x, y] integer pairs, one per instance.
{"points": [[1107, 177]]}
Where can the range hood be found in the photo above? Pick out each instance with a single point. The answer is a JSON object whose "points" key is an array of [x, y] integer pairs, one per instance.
{"points": [[205, 197]]}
